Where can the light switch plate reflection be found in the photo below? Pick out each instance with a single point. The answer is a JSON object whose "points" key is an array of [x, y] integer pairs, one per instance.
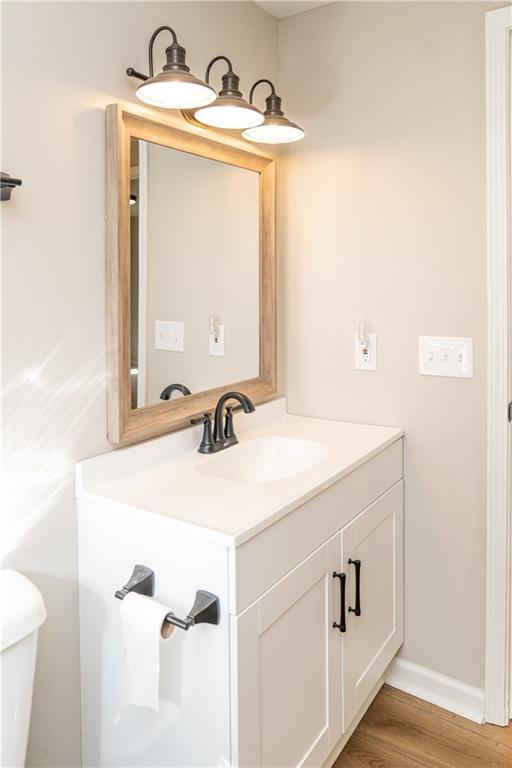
{"points": [[170, 335]]}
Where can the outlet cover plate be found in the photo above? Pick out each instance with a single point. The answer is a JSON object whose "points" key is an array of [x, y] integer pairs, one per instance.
{"points": [[370, 363], [216, 343]]}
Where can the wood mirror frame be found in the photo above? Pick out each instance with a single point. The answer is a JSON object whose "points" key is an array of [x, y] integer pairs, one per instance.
{"points": [[127, 425]]}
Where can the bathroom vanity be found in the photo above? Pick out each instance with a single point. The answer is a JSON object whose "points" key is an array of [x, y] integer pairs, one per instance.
{"points": [[283, 528], [296, 530]]}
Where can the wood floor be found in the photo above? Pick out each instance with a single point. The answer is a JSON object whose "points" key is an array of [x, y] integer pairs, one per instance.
{"points": [[400, 731]]}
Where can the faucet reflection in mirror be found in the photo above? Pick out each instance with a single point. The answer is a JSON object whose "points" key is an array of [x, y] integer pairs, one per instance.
{"points": [[167, 392], [176, 88]]}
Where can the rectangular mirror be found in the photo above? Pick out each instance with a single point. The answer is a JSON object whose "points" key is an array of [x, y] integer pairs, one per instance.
{"points": [[194, 273], [191, 295]]}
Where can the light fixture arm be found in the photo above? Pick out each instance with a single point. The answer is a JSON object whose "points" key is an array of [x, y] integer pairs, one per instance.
{"points": [[258, 82], [152, 42], [131, 72], [230, 80], [212, 62], [273, 101]]}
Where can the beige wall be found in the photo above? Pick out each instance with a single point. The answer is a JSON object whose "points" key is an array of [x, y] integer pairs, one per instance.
{"points": [[383, 219], [62, 64], [202, 260]]}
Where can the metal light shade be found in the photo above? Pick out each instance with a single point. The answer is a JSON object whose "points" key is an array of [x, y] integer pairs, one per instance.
{"points": [[230, 109], [175, 90], [276, 128], [175, 87], [229, 112]]}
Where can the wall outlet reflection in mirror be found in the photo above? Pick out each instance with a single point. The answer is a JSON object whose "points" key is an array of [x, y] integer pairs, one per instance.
{"points": [[216, 336]]}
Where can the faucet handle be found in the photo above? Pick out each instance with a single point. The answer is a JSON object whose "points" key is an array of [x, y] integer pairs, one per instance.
{"points": [[229, 431], [202, 419], [207, 445]]}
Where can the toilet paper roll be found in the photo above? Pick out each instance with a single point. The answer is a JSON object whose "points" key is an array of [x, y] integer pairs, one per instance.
{"points": [[143, 630]]}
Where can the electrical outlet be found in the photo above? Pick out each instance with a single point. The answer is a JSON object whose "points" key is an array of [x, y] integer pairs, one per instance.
{"points": [[216, 341], [366, 353]]}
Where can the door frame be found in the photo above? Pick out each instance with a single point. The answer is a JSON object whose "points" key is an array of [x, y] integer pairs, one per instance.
{"points": [[499, 525]]}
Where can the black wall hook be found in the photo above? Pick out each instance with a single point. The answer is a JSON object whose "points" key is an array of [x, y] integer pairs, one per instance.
{"points": [[7, 184], [206, 608]]}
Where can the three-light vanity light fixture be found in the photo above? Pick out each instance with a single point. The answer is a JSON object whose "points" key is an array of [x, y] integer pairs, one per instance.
{"points": [[176, 88]]}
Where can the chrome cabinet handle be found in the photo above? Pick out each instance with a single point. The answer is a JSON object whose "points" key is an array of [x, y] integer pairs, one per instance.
{"points": [[357, 566], [342, 625]]}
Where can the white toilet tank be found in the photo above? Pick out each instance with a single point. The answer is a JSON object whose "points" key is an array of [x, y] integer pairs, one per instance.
{"points": [[22, 612]]}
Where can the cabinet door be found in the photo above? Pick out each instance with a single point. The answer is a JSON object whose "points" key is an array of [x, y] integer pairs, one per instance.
{"points": [[375, 539], [286, 703]]}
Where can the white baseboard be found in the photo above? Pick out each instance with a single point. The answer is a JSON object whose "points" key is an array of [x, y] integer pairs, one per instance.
{"points": [[443, 691]]}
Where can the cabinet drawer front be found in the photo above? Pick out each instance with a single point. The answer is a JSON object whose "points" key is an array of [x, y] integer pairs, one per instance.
{"points": [[281, 670], [263, 560]]}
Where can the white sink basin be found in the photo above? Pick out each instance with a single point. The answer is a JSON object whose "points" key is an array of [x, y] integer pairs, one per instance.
{"points": [[265, 459]]}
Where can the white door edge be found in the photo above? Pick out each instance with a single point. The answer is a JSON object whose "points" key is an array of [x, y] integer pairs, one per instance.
{"points": [[499, 529]]}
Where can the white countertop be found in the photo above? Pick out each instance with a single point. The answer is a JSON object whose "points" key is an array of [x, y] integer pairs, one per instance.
{"points": [[159, 478]]}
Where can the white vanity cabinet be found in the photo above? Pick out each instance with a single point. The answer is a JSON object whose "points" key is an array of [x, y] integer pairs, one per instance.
{"points": [[275, 684], [298, 681]]}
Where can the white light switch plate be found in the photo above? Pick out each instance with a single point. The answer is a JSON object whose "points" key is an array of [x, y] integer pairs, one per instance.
{"points": [[368, 361], [169, 336], [446, 356]]}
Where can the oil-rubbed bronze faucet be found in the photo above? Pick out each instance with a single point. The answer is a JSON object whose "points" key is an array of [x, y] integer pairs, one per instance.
{"points": [[223, 433]]}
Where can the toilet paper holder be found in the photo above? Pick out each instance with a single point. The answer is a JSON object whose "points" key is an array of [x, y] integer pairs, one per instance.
{"points": [[206, 608]]}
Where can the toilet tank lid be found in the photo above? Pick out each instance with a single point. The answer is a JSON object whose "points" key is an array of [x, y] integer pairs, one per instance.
{"points": [[21, 608]]}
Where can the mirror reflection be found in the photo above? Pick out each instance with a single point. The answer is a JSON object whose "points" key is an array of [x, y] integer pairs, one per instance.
{"points": [[194, 288]]}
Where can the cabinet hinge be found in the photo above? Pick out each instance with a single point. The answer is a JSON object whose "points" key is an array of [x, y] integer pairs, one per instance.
{"points": [[510, 411]]}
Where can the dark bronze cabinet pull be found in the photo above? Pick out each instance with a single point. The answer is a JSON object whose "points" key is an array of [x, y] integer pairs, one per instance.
{"points": [[342, 625], [357, 566]]}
